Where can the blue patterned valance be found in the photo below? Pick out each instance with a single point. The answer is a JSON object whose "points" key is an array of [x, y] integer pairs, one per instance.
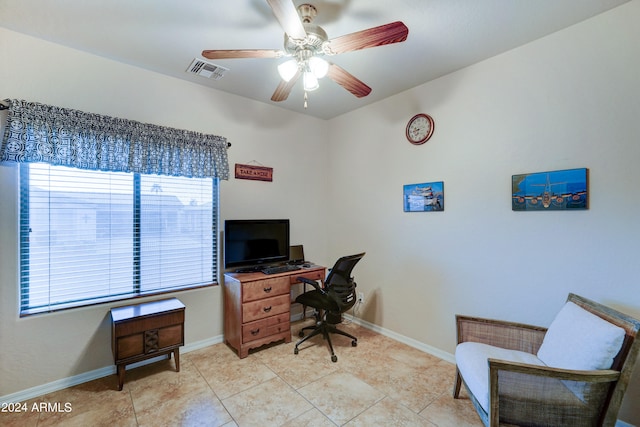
{"points": [[65, 137]]}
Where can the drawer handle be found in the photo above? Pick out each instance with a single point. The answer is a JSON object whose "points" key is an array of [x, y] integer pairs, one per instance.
{"points": [[255, 331], [267, 309], [267, 290]]}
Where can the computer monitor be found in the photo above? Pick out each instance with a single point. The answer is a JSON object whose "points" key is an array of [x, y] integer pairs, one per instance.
{"points": [[255, 242], [296, 254]]}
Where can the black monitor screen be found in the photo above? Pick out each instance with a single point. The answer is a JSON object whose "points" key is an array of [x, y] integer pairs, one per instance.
{"points": [[255, 242]]}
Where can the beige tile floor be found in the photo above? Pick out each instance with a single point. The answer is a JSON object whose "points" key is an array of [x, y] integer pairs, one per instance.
{"points": [[381, 382]]}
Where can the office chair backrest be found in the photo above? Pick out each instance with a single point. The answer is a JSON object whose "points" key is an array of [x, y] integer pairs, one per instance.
{"points": [[339, 283]]}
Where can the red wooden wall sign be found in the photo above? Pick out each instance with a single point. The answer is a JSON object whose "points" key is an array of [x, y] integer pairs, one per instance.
{"points": [[253, 172]]}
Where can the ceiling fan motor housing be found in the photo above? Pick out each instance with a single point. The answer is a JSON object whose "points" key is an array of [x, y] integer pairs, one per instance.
{"points": [[316, 36], [307, 12]]}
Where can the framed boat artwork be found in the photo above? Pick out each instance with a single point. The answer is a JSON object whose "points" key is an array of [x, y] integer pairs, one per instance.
{"points": [[425, 197]]}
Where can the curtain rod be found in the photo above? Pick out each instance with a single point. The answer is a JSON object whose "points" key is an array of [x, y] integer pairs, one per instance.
{"points": [[4, 105]]}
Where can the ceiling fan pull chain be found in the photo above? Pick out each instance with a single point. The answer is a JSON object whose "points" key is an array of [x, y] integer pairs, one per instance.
{"points": [[305, 99]]}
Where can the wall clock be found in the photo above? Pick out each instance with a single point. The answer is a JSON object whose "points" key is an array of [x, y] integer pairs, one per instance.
{"points": [[419, 129]]}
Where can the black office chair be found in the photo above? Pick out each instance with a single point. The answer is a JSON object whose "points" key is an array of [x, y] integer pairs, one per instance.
{"points": [[337, 296]]}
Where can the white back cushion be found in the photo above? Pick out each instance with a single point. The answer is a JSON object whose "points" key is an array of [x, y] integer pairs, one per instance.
{"points": [[578, 339]]}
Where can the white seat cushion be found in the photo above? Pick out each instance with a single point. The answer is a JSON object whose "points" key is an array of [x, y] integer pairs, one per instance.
{"points": [[472, 361], [578, 339]]}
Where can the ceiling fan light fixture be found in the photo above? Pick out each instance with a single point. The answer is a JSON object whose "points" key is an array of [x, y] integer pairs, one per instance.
{"points": [[319, 67], [288, 69], [310, 81]]}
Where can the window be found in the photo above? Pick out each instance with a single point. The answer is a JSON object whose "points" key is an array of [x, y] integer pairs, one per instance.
{"points": [[88, 236]]}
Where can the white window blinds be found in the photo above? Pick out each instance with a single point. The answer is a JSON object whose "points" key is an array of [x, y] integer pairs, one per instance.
{"points": [[91, 236]]}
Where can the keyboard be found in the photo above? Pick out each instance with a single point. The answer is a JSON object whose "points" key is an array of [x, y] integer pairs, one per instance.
{"points": [[281, 269]]}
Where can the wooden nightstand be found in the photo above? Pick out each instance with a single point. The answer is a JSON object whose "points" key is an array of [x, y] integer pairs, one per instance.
{"points": [[143, 331]]}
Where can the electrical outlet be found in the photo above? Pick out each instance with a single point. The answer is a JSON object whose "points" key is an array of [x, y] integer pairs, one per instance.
{"points": [[361, 297]]}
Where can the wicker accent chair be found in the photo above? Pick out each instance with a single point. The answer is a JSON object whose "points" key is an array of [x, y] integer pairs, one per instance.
{"points": [[574, 373]]}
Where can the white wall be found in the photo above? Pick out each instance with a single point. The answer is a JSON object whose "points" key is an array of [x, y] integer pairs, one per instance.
{"points": [[45, 348], [570, 100]]}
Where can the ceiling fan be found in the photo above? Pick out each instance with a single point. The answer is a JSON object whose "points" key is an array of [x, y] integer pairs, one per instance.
{"points": [[306, 44]]}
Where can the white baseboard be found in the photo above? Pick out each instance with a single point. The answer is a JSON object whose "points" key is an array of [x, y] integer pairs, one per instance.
{"points": [[63, 383], [403, 339]]}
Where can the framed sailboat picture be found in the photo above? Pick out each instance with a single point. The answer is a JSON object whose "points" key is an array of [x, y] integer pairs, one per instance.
{"points": [[425, 197]]}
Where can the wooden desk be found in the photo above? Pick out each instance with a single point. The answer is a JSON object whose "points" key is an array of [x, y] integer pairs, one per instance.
{"points": [[257, 307], [146, 330]]}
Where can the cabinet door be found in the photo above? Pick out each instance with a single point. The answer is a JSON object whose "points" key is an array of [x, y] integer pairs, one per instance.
{"points": [[170, 336], [133, 345]]}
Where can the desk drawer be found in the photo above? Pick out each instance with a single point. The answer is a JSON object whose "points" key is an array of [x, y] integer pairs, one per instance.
{"points": [[263, 328], [265, 288], [311, 275], [265, 308]]}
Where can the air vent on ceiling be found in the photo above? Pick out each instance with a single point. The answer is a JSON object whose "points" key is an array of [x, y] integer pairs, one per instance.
{"points": [[206, 69]]}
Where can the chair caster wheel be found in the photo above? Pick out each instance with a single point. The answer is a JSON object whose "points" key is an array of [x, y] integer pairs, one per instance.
{"points": [[354, 343], [301, 334], [334, 358], [295, 350]]}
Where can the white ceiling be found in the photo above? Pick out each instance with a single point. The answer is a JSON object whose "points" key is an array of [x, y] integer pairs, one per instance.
{"points": [[166, 35]]}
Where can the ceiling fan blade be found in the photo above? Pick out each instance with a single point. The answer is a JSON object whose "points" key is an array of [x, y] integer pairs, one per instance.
{"points": [[394, 32], [348, 81], [242, 53], [284, 88], [287, 15]]}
